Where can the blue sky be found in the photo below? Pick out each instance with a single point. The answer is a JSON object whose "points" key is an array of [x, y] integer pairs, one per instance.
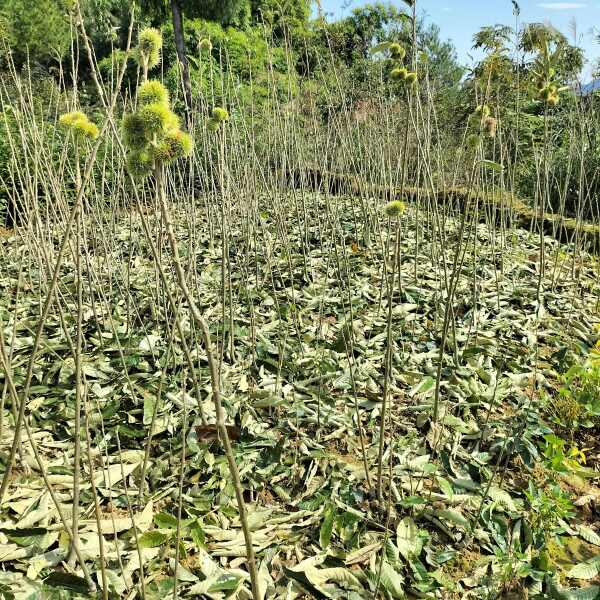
{"points": [[460, 19]]}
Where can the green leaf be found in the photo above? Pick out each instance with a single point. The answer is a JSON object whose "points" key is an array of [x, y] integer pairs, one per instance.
{"points": [[557, 592], [585, 570], [453, 516], [589, 593], [343, 577], [407, 539], [67, 581], [445, 556], [411, 501], [159, 590], [446, 487], [327, 526], [302, 579], [502, 497], [392, 581], [456, 423], [130, 432], [197, 534], [589, 535], [182, 550], [224, 582], [265, 581], [391, 552], [473, 351], [424, 386], [490, 164], [165, 521], [149, 402], [380, 47], [25, 537], [152, 539]]}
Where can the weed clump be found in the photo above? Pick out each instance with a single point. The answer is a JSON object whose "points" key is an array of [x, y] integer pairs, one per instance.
{"points": [[577, 403], [566, 411]]}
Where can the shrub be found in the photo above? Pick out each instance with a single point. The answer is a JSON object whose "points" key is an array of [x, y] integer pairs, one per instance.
{"points": [[577, 403]]}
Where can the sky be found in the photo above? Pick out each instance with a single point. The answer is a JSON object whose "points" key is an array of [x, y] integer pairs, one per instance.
{"points": [[460, 19]]}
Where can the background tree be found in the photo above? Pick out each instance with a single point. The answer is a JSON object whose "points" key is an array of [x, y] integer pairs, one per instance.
{"points": [[223, 11], [37, 31], [282, 17], [552, 52]]}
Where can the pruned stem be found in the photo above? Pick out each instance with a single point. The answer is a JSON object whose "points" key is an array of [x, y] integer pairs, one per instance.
{"points": [[214, 381]]}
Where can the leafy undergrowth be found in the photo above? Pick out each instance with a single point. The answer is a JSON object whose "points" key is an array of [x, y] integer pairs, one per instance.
{"points": [[492, 501]]}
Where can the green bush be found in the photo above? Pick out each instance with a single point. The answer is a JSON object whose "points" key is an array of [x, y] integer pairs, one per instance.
{"points": [[577, 403]]}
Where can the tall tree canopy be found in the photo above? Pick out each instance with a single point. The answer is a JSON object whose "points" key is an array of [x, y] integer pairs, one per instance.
{"points": [[351, 38]]}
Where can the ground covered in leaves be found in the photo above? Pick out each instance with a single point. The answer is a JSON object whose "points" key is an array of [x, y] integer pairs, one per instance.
{"points": [[497, 499]]}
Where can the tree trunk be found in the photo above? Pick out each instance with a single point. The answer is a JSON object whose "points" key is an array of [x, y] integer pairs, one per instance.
{"points": [[183, 61]]}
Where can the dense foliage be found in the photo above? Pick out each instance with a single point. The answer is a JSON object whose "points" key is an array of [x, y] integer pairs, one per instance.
{"points": [[295, 307]]}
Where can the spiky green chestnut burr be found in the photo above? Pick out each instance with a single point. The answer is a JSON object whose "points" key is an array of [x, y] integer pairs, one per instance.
{"points": [[176, 144], [180, 143], [134, 131], [397, 52], [220, 114], [158, 118], [411, 78], [153, 92], [204, 45], [152, 134], [79, 124], [395, 208], [139, 163], [149, 46], [399, 73]]}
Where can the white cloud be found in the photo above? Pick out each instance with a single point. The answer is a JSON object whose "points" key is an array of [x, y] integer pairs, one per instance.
{"points": [[561, 5]]}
